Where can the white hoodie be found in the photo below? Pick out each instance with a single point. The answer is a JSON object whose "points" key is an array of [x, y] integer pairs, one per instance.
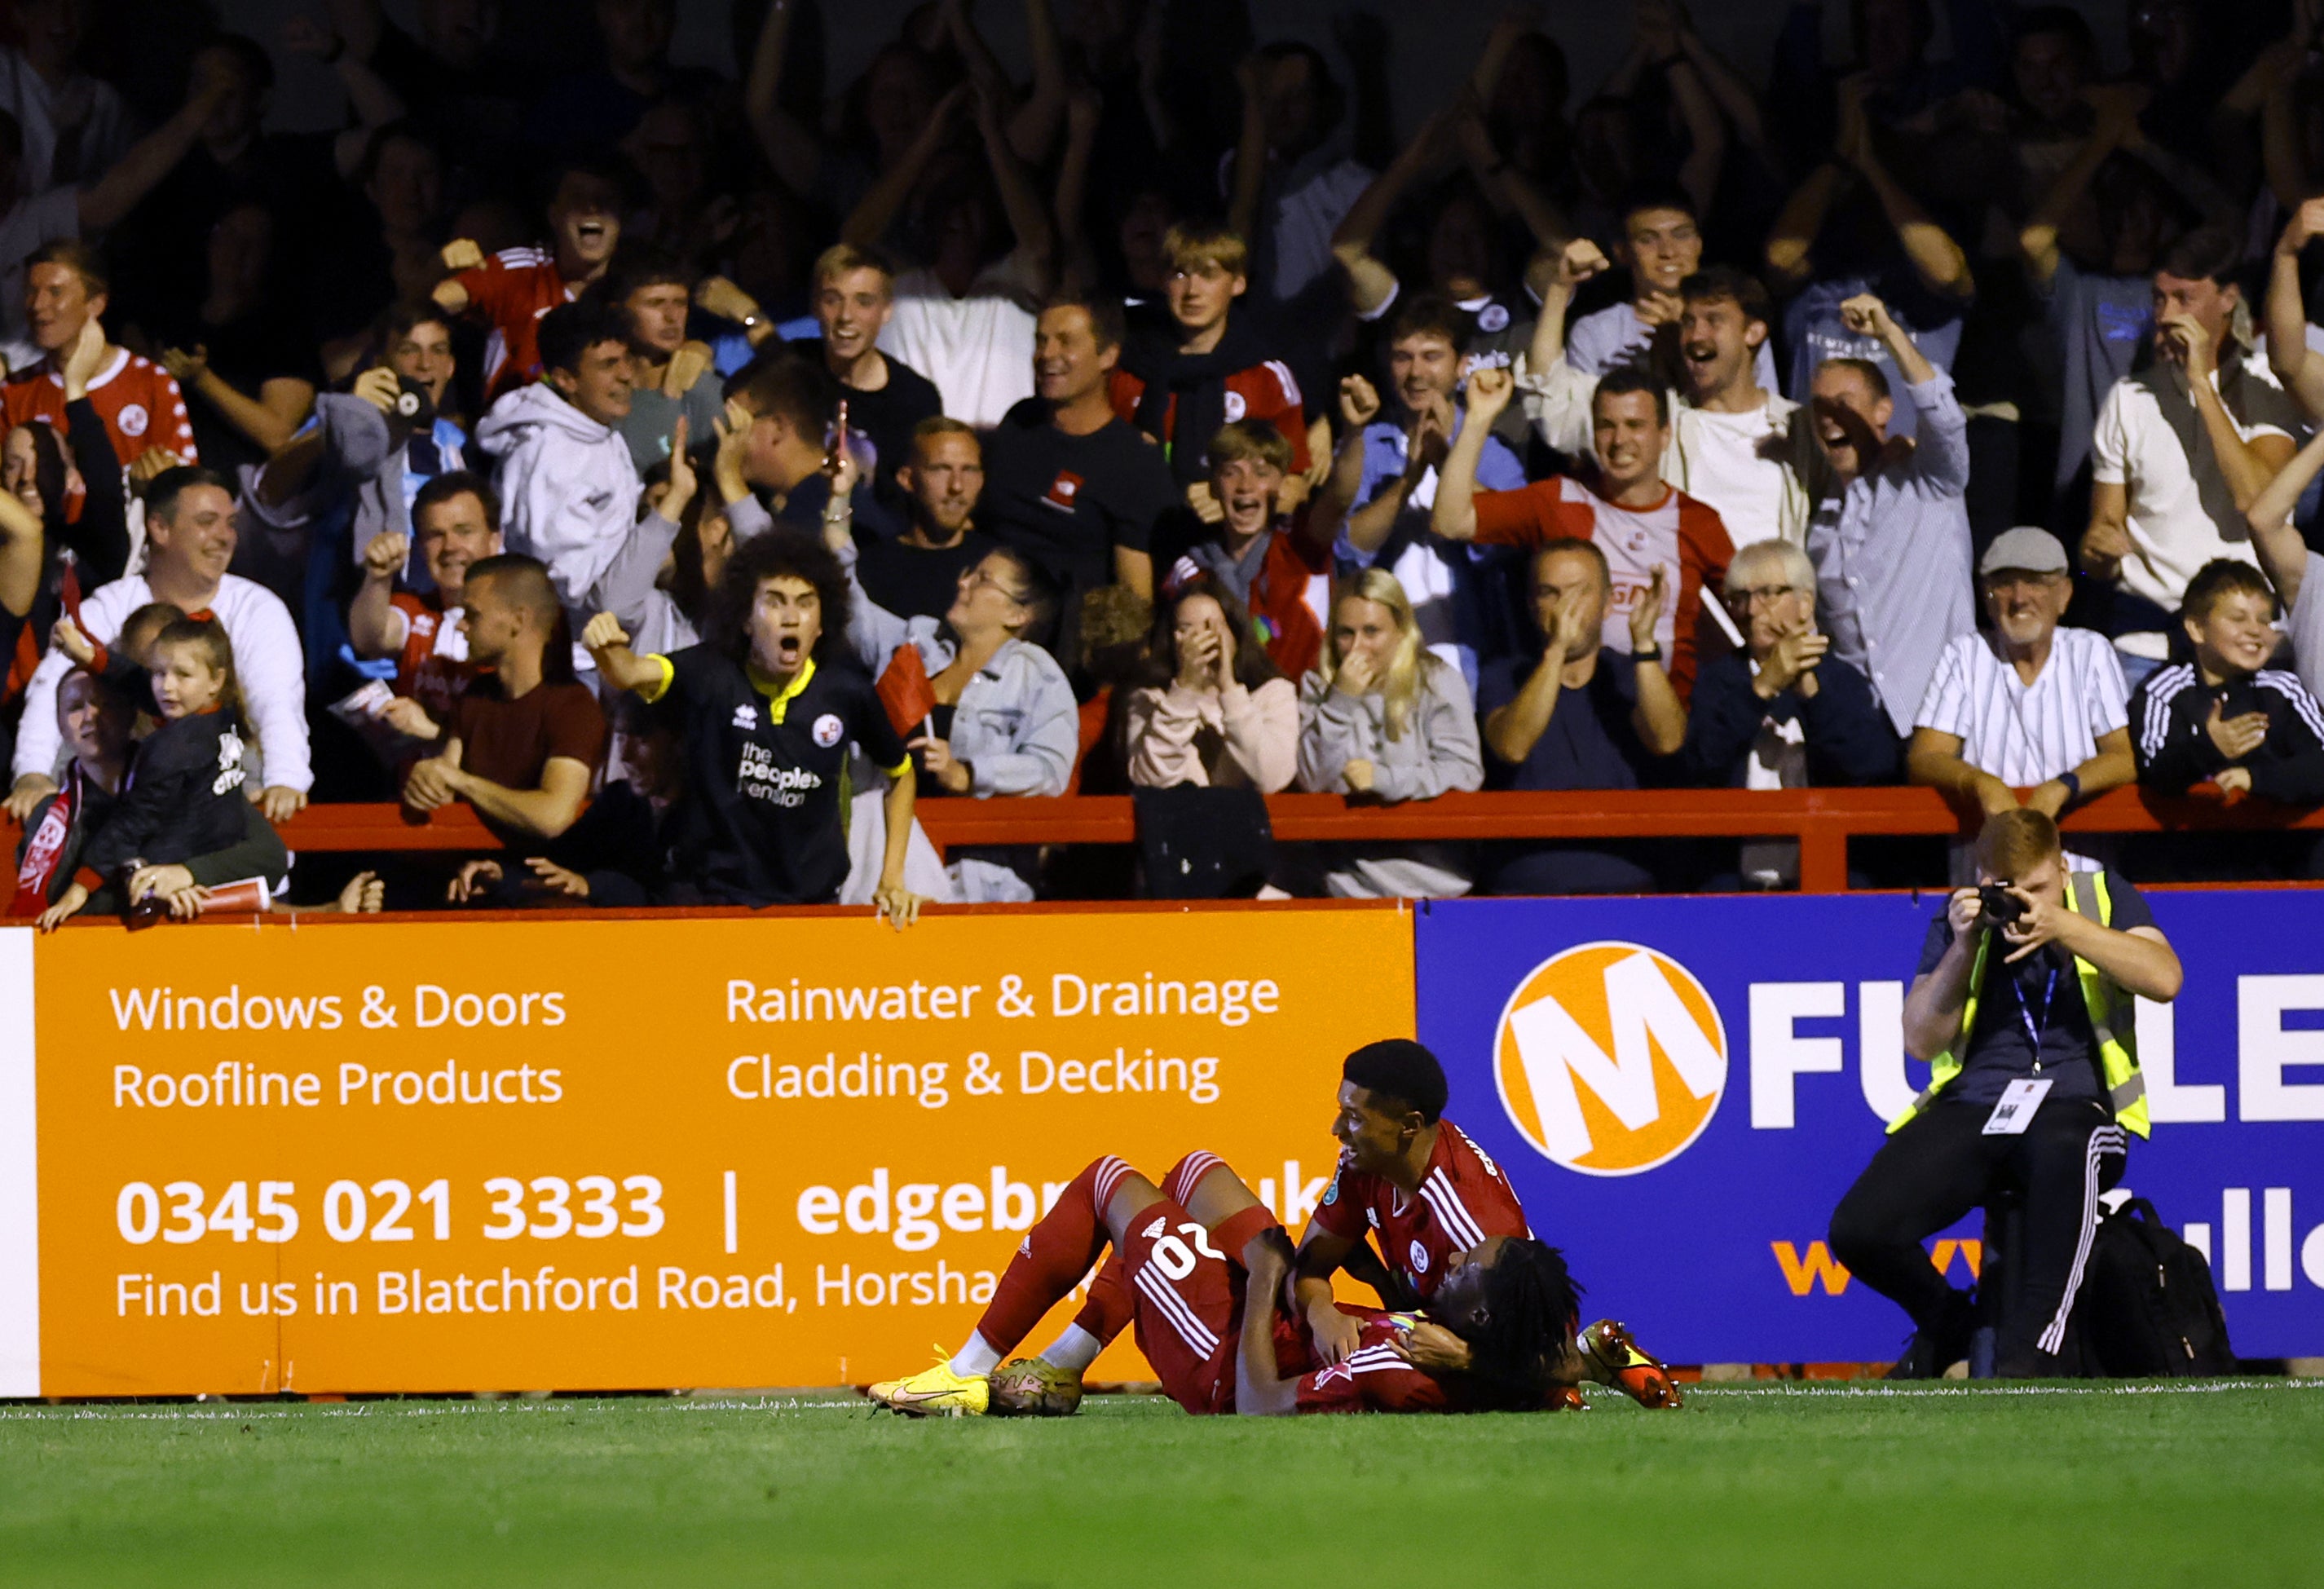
{"points": [[569, 490]]}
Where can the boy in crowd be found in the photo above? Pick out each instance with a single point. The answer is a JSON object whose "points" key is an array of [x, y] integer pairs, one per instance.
{"points": [[2227, 716], [1262, 549], [887, 398], [1179, 382], [674, 379], [515, 289], [566, 475]]}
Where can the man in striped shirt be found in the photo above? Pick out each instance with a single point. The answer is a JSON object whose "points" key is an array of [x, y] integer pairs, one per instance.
{"points": [[2034, 706]]}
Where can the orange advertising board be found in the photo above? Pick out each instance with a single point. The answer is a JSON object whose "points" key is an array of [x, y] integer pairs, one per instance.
{"points": [[577, 1154]]}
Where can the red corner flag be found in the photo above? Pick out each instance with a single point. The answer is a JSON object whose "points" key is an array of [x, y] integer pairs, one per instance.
{"points": [[905, 690]]}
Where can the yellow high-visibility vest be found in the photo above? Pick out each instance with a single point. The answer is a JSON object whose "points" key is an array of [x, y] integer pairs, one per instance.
{"points": [[2113, 1018]]}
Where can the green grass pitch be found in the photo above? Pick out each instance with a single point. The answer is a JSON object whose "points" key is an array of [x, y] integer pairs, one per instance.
{"points": [[2214, 1485]]}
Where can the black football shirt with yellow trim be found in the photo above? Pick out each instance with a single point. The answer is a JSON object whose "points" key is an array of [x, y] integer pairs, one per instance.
{"points": [[761, 822]]}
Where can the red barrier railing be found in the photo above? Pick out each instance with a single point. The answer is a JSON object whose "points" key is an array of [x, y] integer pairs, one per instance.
{"points": [[1822, 819]]}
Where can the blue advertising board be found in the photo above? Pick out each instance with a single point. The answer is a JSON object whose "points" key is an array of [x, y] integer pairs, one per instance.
{"points": [[1682, 1089]]}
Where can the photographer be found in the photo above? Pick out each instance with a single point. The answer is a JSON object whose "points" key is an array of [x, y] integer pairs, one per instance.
{"points": [[2023, 1006]]}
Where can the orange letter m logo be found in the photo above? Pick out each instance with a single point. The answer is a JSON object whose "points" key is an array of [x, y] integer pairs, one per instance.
{"points": [[1803, 1273]]}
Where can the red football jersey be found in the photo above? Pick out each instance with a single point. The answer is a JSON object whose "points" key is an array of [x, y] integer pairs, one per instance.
{"points": [[141, 405], [1682, 534], [1263, 392], [512, 289], [1463, 1199], [1373, 1378], [433, 667]]}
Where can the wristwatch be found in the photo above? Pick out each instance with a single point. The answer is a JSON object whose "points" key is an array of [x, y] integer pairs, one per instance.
{"points": [[2073, 783], [1647, 653]]}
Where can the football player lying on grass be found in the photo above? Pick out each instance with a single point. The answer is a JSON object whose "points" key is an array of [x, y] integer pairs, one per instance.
{"points": [[1220, 1332]]}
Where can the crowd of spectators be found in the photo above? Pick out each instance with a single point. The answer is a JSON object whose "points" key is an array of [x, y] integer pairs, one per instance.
{"points": [[690, 475]]}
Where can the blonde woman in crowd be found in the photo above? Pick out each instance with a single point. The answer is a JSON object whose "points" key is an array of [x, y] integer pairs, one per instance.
{"points": [[1383, 719]]}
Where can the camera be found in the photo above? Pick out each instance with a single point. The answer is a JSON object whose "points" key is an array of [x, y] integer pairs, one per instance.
{"points": [[413, 406], [1998, 906]]}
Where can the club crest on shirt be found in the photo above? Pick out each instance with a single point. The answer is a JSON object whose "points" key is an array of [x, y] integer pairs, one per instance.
{"points": [[133, 419], [1064, 492], [1235, 406], [827, 730], [1493, 317], [229, 760], [1419, 1256]]}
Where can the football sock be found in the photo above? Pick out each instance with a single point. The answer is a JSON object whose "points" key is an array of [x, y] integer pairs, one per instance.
{"points": [[1056, 1253], [1108, 1311], [1075, 1350], [977, 1357]]}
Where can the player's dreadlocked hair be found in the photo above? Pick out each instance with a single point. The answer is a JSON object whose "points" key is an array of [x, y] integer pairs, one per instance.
{"points": [[1531, 1304]]}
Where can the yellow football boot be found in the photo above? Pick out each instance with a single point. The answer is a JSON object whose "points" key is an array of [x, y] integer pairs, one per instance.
{"points": [[935, 1392]]}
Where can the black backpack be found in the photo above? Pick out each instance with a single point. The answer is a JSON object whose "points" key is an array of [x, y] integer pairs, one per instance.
{"points": [[2147, 1307]]}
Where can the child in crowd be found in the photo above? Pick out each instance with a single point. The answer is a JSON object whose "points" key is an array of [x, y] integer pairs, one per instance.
{"points": [[2229, 719], [1260, 550], [184, 797]]}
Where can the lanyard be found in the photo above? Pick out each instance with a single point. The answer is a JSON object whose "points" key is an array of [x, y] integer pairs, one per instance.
{"points": [[2026, 1015]]}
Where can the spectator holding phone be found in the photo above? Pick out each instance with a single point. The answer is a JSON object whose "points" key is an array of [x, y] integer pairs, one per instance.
{"points": [[372, 448], [1215, 713], [1001, 718], [1383, 719], [1782, 712]]}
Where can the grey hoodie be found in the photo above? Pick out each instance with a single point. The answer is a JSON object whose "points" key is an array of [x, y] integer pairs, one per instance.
{"points": [[1016, 724], [1437, 751], [568, 491]]}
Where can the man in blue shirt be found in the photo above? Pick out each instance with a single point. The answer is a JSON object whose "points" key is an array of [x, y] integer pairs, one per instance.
{"points": [[1383, 483]]}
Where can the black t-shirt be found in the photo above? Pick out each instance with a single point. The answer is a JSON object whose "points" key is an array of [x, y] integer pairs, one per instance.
{"points": [[2010, 1011], [917, 581], [760, 823], [885, 416], [1067, 500], [1589, 743], [246, 353]]}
